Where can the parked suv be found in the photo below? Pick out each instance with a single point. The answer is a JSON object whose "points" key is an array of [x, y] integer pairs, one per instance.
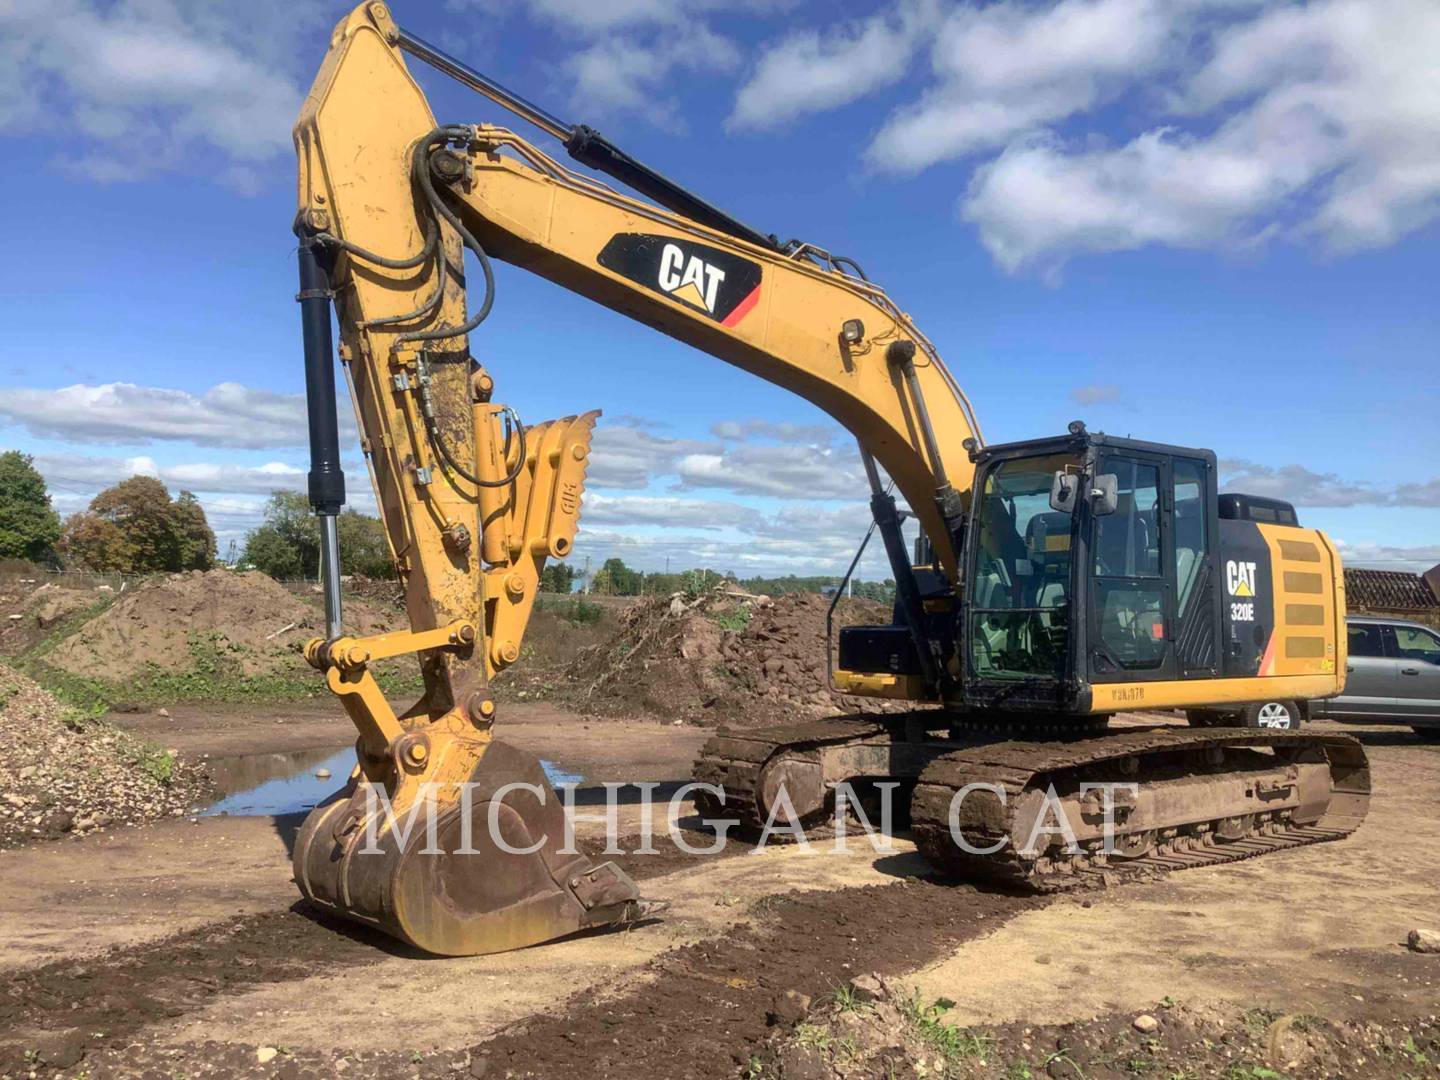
{"points": [[1393, 677]]}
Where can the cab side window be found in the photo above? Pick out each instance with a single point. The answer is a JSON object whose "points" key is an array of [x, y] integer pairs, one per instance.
{"points": [[1416, 644], [1366, 639]]}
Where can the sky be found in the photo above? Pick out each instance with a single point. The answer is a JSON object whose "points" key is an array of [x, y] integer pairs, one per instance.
{"points": [[1206, 222]]}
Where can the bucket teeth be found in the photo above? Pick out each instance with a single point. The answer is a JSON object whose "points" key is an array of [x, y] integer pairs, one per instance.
{"points": [[488, 874]]}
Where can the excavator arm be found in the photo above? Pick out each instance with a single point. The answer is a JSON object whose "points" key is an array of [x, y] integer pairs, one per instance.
{"points": [[474, 500]]}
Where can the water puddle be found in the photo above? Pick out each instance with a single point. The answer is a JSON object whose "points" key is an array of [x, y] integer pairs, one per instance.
{"points": [[266, 785]]}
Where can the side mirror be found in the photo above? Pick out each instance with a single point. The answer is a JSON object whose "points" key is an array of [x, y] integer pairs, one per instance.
{"points": [[1064, 490], [1104, 494]]}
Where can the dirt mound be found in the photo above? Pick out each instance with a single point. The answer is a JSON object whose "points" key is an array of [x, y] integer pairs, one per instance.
{"points": [[726, 658], [191, 620], [61, 774]]}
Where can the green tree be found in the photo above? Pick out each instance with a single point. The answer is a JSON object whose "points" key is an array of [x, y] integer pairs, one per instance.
{"points": [[287, 545], [620, 579], [141, 509], [268, 550], [29, 526], [197, 541], [91, 542], [557, 577], [363, 547]]}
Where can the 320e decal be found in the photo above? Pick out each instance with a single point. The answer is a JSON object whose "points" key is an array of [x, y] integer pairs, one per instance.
{"points": [[717, 283]]}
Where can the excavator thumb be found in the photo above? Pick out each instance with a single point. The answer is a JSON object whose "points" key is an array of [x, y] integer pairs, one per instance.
{"points": [[460, 869]]}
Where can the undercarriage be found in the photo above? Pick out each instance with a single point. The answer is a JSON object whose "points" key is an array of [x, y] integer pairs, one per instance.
{"points": [[1041, 809]]}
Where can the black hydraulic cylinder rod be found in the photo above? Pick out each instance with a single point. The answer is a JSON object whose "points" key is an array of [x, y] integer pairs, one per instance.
{"points": [[326, 480], [589, 147]]}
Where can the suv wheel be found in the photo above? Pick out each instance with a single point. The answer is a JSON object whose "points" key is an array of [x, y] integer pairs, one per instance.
{"points": [[1277, 715]]}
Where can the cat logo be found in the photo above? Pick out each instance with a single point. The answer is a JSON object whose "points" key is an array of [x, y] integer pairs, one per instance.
{"points": [[1240, 578], [691, 280], [710, 281]]}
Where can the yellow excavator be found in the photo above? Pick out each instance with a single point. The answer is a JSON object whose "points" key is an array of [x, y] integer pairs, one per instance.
{"points": [[1055, 582]]}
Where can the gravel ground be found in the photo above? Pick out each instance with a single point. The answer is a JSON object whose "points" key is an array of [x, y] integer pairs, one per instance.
{"points": [[63, 774]]}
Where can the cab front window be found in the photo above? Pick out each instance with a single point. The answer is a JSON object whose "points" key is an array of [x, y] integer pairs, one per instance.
{"points": [[1020, 621]]}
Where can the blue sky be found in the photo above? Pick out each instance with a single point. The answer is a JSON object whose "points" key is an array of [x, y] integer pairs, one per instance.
{"points": [[1211, 222]]}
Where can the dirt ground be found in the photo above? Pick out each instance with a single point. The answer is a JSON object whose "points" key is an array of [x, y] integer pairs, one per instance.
{"points": [[179, 948]]}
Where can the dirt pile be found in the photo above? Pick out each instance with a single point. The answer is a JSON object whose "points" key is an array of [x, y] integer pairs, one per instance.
{"points": [[61, 774], [198, 619], [31, 609], [725, 657]]}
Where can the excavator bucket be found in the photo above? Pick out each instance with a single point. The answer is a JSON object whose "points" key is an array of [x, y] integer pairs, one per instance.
{"points": [[474, 868]]}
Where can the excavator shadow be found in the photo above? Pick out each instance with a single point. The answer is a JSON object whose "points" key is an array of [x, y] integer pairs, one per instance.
{"points": [[373, 938], [911, 865]]}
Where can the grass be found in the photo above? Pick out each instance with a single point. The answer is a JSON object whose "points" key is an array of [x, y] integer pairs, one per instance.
{"points": [[580, 612], [954, 1045], [215, 673]]}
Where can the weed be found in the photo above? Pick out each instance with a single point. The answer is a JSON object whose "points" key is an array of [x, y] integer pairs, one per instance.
{"points": [[155, 763], [732, 619], [579, 612], [953, 1044], [1414, 1053], [1253, 1072], [846, 999], [755, 1069], [812, 1035], [1257, 1020]]}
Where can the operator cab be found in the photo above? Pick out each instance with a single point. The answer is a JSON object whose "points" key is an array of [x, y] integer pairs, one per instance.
{"points": [[1089, 559]]}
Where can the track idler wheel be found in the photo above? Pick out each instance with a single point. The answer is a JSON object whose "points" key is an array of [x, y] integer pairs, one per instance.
{"points": [[459, 889]]}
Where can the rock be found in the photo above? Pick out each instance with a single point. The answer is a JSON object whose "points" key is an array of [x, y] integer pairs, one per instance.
{"points": [[790, 1008], [1145, 1024], [677, 607], [60, 1049], [28, 771], [163, 712], [265, 1054], [479, 1065], [58, 821], [869, 987], [17, 800], [1424, 941]]}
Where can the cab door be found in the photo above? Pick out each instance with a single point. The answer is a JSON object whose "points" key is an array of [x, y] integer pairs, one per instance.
{"points": [[1131, 564]]}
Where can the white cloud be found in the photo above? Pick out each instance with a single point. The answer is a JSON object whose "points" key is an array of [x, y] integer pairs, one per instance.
{"points": [[787, 472], [228, 415], [628, 456], [1309, 122], [1109, 125], [85, 474], [627, 72], [1005, 69], [1304, 487], [132, 88], [668, 512], [597, 16], [811, 71]]}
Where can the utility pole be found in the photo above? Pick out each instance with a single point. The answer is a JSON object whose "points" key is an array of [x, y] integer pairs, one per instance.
{"points": [[587, 576]]}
